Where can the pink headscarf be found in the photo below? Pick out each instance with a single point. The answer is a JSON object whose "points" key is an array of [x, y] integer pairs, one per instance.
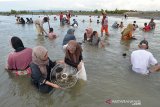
{"points": [[89, 32], [38, 57]]}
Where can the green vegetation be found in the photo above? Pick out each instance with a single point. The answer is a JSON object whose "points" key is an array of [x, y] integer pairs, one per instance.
{"points": [[95, 12]]}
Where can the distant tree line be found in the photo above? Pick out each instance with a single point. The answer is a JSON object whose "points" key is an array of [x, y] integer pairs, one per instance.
{"points": [[94, 12], [116, 11]]}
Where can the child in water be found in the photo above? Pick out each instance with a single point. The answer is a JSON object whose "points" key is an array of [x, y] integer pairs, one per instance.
{"points": [[51, 34], [121, 25], [146, 27]]}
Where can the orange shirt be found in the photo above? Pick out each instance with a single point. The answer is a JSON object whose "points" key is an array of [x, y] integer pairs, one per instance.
{"points": [[127, 37]]}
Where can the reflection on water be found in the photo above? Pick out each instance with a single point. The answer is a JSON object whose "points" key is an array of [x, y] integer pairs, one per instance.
{"points": [[109, 73]]}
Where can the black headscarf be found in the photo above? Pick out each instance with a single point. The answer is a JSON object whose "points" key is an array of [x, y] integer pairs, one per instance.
{"points": [[17, 44]]}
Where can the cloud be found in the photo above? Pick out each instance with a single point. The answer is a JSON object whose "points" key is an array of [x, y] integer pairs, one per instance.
{"points": [[9, 0], [80, 4]]}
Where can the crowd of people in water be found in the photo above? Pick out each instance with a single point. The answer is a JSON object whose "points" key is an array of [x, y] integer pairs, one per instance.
{"points": [[20, 20], [37, 63]]}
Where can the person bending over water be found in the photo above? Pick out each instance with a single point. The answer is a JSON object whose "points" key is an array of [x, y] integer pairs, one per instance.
{"points": [[75, 23], [88, 34], [22, 21], [95, 40], [127, 32], [28, 21], [73, 57], [41, 67], [31, 21], [39, 25], [19, 60], [142, 59], [115, 25]]}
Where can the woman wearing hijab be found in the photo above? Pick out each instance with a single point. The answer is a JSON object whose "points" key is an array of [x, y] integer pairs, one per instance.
{"points": [[115, 25], [20, 59], [127, 32], [41, 67], [88, 34], [95, 40], [69, 36], [73, 57]]}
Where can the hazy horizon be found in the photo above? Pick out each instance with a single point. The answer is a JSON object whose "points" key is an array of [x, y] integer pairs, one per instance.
{"points": [[140, 5]]}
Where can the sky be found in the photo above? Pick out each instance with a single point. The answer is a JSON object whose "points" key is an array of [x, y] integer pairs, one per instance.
{"points": [[143, 5]]}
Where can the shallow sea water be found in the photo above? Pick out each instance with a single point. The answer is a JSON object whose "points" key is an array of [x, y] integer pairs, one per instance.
{"points": [[109, 73]]}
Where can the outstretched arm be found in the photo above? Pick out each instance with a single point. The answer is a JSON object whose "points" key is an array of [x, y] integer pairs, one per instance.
{"points": [[52, 85]]}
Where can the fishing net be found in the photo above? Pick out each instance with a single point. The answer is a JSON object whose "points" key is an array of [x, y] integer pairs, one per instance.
{"points": [[64, 75]]}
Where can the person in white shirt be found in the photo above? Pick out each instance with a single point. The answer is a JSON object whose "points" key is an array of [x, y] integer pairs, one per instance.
{"points": [[39, 25], [142, 59]]}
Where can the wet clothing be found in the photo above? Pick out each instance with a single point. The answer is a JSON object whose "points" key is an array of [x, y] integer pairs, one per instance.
{"points": [[104, 28], [73, 64], [68, 17], [82, 73], [20, 60], [31, 21], [69, 36], [104, 24], [127, 32], [38, 79], [61, 17], [28, 21], [22, 21], [88, 39], [74, 58], [152, 25], [39, 22], [141, 61], [95, 40], [115, 25], [127, 36], [88, 34], [51, 35], [63, 21], [75, 23], [147, 28], [39, 25]]}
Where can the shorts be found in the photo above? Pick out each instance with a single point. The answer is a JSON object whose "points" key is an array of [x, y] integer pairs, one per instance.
{"points": [[104, 28]]}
